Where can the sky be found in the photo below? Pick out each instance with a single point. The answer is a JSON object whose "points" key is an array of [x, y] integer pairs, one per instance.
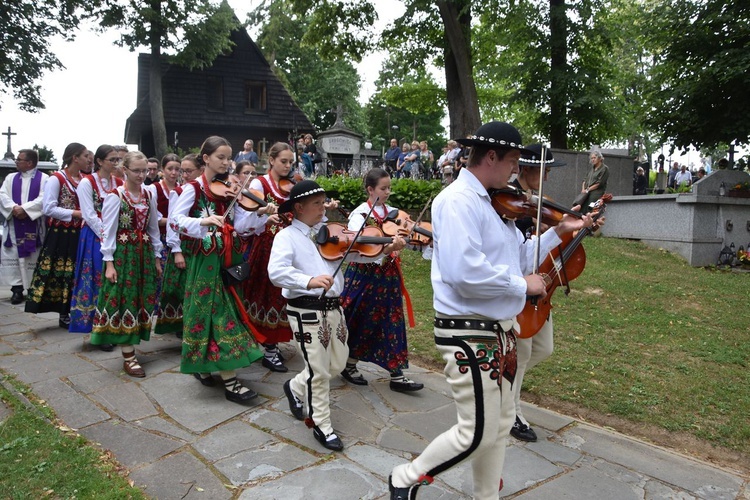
{"points": [[90, 100]]}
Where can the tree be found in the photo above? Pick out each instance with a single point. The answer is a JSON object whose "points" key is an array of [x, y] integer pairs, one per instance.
{"points": [[45, 153], [192, 32], [316, 83], [25, 53], [701, 72]]}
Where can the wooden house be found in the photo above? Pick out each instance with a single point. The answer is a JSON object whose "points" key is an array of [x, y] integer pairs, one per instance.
{"points": [[238, 97]]}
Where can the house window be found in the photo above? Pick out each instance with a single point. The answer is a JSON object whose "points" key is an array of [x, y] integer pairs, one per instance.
{"points": [[215, 93], [255, 97]]}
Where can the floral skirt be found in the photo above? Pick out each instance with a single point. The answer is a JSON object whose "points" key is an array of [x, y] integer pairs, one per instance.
{"points": [[88, 279], [214, 338], [169, 317], [51, 287], [374, 311], [124, 309], [266, 307]]}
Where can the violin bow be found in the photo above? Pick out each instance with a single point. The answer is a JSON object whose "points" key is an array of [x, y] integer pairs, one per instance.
{"points": [[419, 218], [538, 246], [234, 200], [349, 249]]}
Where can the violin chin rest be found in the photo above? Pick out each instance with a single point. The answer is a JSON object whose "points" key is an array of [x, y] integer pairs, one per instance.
{"points": [[323, 236]]}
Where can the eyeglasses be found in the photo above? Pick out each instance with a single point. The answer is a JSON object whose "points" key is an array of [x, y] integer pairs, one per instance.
{"points": [[19, 160], [138, 172], [114, 159], [189, 171]]}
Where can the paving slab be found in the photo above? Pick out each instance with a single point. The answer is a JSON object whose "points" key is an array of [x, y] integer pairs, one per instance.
{"points": [[353, 427], [552, 451], [656, 462], [10, 317], [126, 401], [399, 440], [584, 483], [13, 329], [523, 469], [163, 426], [33, 368], [23, 341], [69, 406], [376, 460], [65, 346], [191, 404], [230, 439], [265, 462], [132, 446], [180, 476], [352, 402], [343, 480], [7, 349], [271, 420], [428, 424], [93, 381], [547, 419], [420, 401]]}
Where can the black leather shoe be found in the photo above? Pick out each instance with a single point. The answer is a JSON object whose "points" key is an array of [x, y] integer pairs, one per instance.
{"points": [[17, 298], [358, 380], [523, 432], [208, 381], [274, 364], [406, 385], [334, 443], [236, 397], [295, 405], [409, 493], [64, 321], [107, 347]]}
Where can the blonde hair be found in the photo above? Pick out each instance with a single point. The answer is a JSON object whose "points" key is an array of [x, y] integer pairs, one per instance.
{"points": [[131, 157]]}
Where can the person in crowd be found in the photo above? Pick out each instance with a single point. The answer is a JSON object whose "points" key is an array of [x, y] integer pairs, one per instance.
{"points": [[426, 160], [266, 304], [391, 156], [92, 190], [51, 287], [169, 319], [700, 175], [672, 174], [312, 292], [247, 154], [531, 351], [480, 278], [411, 166], [372, 297], [683, 177], [402, 160], [131, 250], [217, 332], [640, 183], [21, 198], [595, 184], [153, 172]]}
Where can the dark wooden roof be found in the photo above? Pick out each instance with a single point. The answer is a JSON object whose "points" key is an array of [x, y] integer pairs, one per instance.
{"points": [[186, 103]]}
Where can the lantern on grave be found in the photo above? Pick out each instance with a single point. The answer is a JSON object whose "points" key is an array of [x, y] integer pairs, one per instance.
{"points": [[726, 256]]}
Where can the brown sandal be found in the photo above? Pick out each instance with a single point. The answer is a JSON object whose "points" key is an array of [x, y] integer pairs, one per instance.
{"points": [[132, 368]]}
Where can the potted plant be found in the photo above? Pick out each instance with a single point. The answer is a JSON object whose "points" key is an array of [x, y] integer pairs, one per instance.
{"points": [[740, 190]]}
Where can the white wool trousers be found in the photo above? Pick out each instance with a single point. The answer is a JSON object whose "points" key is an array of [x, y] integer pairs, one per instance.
{"points": [[480, 367], [321, 339], [531, 352]]}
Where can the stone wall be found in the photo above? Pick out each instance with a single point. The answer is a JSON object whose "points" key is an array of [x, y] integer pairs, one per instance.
{"points": [[694, 225]]}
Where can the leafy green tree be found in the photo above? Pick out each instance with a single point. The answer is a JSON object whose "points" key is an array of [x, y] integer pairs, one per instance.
{"points": [[316, 83], [191, 33], [45, 153], [25, 54], [701, 72]]}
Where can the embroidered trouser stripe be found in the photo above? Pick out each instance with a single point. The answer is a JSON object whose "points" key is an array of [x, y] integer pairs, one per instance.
{"points": [[485, 412], [322, 342]]}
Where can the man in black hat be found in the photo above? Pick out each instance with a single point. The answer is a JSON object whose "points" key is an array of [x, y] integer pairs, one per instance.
{"points": [[480, 283], [533, 350]]}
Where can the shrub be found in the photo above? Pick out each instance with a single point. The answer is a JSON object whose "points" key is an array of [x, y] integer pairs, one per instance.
{"points": [[406, 194]]}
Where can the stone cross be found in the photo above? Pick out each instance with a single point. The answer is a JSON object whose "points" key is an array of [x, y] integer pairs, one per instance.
{"points": [[339, 115], [9, 153], [263, 143]]}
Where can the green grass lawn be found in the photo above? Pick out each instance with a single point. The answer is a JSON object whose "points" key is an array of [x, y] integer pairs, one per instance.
{"points": [[642, 336], [40, 460]]}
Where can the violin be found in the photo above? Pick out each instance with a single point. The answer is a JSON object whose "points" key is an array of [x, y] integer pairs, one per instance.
{"points": [[229, 188], [564, 264], [512, 203], [334, 239], [399, 223], [287, 183]]}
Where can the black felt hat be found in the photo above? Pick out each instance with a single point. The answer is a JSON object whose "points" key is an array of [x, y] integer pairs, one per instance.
{"points": [[300, 191], [495, 134], [533, 157]]}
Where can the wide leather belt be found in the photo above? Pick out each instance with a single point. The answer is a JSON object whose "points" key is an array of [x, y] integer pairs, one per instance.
{"points": [[314, 303], [468, 324]]}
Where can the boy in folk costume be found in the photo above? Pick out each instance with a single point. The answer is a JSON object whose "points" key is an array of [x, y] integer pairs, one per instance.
{"points": [[317, 323], [21, 208]]}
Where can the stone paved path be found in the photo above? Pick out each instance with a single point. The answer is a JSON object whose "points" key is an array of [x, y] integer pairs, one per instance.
{"points": [[183, 440]]}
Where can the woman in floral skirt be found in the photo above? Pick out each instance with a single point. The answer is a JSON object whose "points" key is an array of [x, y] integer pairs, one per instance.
{"points": [[217, 332], [373, 299], [130, 250]]}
